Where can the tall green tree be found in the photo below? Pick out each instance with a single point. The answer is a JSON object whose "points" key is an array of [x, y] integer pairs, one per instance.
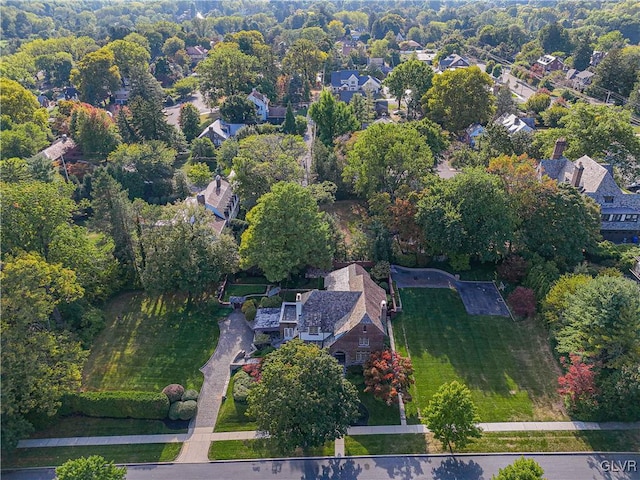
{"points": [[199, 174], [289, 125], [94, 467], [387, 157], [452, 415], [38, 365], [363, 108], [300, 374], [18, 103], [129, 56], [459, 98], [226, 71], [263, 160], [31, 213], [189, 121], [332, 117], [94, 131], [113, 215], [602, 322], [237, 109], [146, 104], [96, 76], [184, 253], [275, 241], [413, 76], [469, 214], [304, 58]]}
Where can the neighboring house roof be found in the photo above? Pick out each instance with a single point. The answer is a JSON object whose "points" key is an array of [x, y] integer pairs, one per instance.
{"points": [[571, 73], [426, 55], [452, 61], [341, 76], [513, 123], [258, 96], [546, 60], [277, 112], [59, 148], [267, 319], [584, 76], [196, 51], [223, 129], [217, 199]]}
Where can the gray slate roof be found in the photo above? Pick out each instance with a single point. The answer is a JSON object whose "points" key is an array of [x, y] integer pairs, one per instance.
{"points": [[267, 319]]}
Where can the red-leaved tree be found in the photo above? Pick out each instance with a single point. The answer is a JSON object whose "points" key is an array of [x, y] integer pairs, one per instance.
{"points": [[513, 269], [523, 302], [254, 370], [578, 385], [386, 374]]}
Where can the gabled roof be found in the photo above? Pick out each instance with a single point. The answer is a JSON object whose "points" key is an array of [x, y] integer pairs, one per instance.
{"points": [[58, 148], [452, 59], [585, 75], [342, 76], [216, 199], [571, 73], [326, 308], [546, 59], [258, 96], [595, 175], [513, 123], [354, 278]]}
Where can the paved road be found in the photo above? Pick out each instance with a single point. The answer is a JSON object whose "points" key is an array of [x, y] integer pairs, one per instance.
{"points": [[590, 466], [172, 113], [235, 335], [521, 89]]}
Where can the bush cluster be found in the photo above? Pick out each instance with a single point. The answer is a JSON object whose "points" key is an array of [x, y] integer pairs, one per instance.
{"points": [[144, 405], [241, 383], [271, 302], [249, 309], [183, 410], [174, 392]]}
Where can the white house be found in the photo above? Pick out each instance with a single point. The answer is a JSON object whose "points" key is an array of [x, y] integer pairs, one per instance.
{"points": [[261, 102]]}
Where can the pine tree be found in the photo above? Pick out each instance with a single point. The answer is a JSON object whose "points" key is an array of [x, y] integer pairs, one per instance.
{"points": [[289, 125]]}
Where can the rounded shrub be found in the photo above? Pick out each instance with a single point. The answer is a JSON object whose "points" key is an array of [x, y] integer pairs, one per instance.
{"points": [[250, 313], [187, 410], [174, 411], [190, 395], [241, 383], [174, 392]]}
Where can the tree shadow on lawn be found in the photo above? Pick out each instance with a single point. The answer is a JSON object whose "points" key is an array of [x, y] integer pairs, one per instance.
{"points": [[494, 356], [151, 341]]}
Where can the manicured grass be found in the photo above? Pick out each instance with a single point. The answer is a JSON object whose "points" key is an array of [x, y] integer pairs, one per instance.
{"points": [[403, 444], [497, 442], [507, 365], [79, 426], [159, 340], [585, 441], [379, 412], [261, 448], [235, 290], [231, 417], [53, 457], [250, 281]]}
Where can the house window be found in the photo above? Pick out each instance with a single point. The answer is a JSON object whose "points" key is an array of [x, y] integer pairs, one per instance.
{"points": [[605, 218], [608, 199], [314, 330], [631, 218], [616, 218], [363, 341], [364, 329], [362, 357], [288, 333]]}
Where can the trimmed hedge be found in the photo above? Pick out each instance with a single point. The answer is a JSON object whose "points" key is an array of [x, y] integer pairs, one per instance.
{"points": [[144, 405], [241, 383]]}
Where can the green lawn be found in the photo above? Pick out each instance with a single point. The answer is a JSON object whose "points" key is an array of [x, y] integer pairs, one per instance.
{"points": [[586, 441], [507, 365], [403, 444], [379, 412], [497, 442], [160, 340], [53, 457], [261, 448], [79, 426], [231, 417], [235, 290]]}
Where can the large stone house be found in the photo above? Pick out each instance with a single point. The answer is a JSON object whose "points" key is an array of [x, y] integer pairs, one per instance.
{"points": [[620, 211], [219, 199], [349, 317]]}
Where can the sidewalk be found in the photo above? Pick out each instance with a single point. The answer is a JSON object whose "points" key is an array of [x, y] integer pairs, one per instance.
{"points": [[207, 438]]}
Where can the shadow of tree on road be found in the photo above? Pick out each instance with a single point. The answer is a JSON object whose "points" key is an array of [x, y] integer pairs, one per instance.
{"points": [[454, 469]]}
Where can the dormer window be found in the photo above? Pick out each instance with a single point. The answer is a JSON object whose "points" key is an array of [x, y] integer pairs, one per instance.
{"points": [[608, 199], [364, 329]]}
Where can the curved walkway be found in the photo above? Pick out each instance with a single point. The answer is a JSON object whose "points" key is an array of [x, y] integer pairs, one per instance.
{"points": [[235, 335]]}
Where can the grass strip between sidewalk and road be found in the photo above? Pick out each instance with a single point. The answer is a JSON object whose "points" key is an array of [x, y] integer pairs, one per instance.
{"points": [[55, 456], [261, 448], [499, 442]]}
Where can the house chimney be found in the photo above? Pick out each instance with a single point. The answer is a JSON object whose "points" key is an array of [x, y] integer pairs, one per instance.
{"points": [[577, 175], [558, 150], [200, 199], [64, 137], [218, 182], [298, 306], [383, 310]]}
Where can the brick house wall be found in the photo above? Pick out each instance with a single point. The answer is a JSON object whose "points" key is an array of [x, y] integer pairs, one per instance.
{"points": [[349, 344]]}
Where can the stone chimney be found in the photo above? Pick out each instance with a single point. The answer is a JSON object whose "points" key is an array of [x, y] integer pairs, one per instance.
{"points": [[200, 199], [558, 150], [577, 175], [383, 310], [298, 306], [218, 182]]}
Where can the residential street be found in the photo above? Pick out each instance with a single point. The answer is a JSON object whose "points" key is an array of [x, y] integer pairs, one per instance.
{"points": [[461, 467], [172, 113]]}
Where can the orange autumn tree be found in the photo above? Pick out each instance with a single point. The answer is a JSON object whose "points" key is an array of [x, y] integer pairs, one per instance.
{"points": [[386, 374]]}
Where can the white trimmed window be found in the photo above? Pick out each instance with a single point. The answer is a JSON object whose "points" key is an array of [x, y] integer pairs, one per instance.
{"points": [[362, 357], [288, 332], [363, 341]]}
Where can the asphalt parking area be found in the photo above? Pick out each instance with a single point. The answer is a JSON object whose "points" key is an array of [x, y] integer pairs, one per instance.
{"points": [[479, 298]]}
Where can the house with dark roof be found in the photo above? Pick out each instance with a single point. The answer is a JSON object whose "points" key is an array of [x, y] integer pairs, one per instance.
{"points": [[549, 63], [620, 211], [451, 62], [219, 131], [219, 199], [345, 83], [261, 102], [197, 53], [349, 318]]}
